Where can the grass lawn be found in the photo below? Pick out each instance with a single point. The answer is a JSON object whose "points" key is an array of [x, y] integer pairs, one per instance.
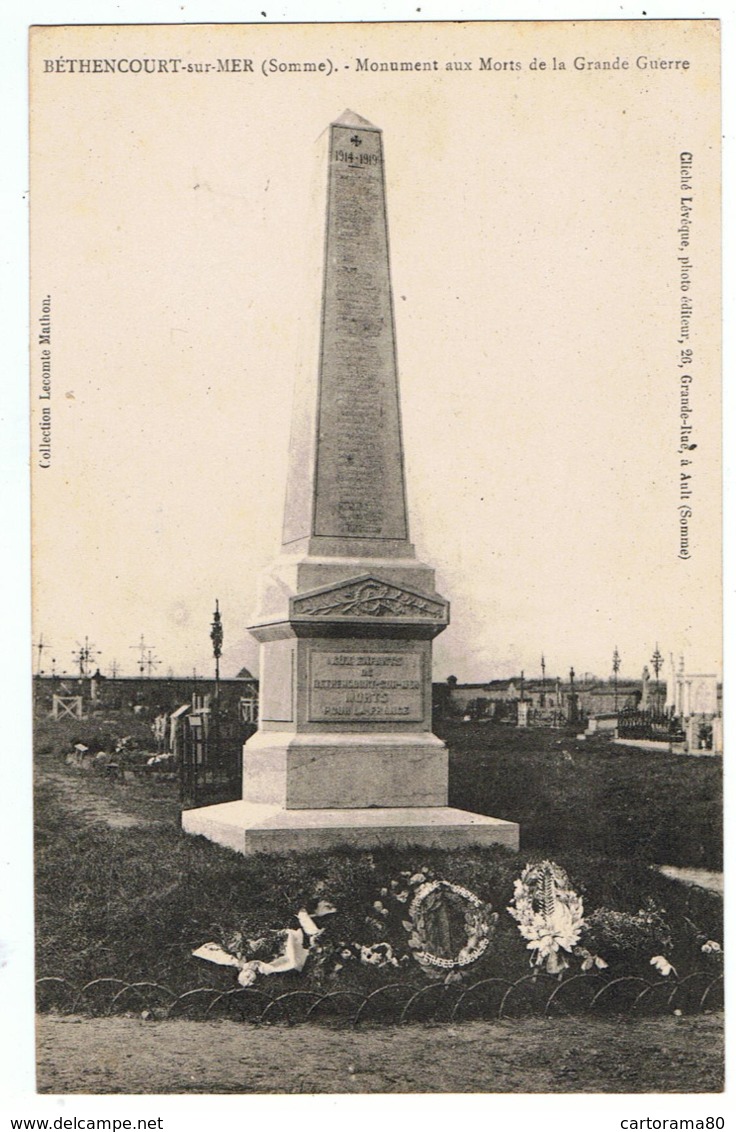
{"points": [[122, 893], [590, 795]]}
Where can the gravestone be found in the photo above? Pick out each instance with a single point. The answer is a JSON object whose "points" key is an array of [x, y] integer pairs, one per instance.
{"points": [[344, 752], [696, 694], [645, 680], [702, 694]]}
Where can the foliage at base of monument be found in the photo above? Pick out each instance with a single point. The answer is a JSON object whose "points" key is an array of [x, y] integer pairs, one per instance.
{"points": [[420, 922], [625, 934]]}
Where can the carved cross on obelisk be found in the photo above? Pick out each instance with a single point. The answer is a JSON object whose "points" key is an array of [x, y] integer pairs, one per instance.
{"points": [[344, 752]]}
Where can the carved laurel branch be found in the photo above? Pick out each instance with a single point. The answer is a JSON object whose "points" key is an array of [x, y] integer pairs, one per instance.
{"points": [[369, 599]]}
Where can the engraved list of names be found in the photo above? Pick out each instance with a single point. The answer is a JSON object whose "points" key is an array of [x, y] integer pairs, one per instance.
{"points": [[360, 490]]}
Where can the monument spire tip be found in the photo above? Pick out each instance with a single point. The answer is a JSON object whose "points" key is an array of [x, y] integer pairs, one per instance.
{"points": [[349, 118]]}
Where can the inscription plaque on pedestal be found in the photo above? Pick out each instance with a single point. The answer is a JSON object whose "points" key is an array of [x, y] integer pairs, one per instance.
{"points": [[378, 687]]}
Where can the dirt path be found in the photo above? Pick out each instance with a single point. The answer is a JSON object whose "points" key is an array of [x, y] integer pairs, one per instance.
{"points": [[79, 799], [701, 878], [132, 804], [128, 1055]]}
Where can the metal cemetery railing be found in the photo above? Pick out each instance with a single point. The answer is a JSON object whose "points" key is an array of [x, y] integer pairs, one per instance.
{"points": [[211, 756], [649, 724]]}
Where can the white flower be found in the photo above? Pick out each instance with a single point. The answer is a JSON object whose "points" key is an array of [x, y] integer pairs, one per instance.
{"points": [[549, 933], [247, 975], [663, 965], [377, 954], [589, 960], [710, 947], [324, 908]]}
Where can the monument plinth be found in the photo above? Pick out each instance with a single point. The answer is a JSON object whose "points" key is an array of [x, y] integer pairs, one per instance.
{"points": [[344, 751]]}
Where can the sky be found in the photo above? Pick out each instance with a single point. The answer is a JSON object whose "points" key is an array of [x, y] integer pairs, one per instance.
{"points": [[533, 218]]}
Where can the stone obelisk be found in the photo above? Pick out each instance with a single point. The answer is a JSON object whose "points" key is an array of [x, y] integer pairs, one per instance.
{"points": [[344, 753]]}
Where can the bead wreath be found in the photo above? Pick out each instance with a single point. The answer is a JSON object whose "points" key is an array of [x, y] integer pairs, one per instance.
{"points": [[476, 921]]}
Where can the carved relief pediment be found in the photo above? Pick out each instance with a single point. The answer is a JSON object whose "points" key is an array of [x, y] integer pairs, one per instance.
{"points": [[369, 597]]}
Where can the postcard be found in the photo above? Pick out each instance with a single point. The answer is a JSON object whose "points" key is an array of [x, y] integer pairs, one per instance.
{"points": [[375, 416]]}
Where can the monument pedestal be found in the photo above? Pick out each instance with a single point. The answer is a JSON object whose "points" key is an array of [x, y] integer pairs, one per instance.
{"points": [[344, 770], [344, 753]]}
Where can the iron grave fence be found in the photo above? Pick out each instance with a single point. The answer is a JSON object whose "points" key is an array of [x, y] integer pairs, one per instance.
{"points": [[650, 723], [211, 754]]}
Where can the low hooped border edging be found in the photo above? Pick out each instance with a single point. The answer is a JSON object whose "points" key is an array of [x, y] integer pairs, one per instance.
{"points": [[539, 995]]}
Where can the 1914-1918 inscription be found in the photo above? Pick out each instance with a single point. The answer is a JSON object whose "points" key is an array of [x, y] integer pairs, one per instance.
{"points": [[363, 686]]}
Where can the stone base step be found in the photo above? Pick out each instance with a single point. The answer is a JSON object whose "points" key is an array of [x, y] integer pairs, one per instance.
{"points": [[248, 827]]}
